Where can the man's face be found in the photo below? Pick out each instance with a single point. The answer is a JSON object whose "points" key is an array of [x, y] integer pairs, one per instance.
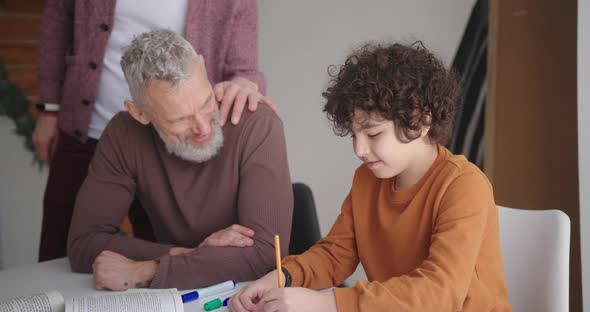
{"points": [[186, 116]]}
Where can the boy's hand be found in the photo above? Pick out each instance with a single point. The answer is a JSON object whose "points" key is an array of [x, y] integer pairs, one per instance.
{"points": [[299, 299], [248, 298]]}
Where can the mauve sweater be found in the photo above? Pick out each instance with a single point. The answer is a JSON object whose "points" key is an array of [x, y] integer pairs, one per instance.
{"points": [[74, 36], [246, 183]]}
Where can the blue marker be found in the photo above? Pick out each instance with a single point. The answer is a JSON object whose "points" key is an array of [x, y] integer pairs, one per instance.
{"points": [[208, 291]]}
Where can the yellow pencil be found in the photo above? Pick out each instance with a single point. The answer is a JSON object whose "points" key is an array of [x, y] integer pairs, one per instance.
{"points": [[278, 255]]}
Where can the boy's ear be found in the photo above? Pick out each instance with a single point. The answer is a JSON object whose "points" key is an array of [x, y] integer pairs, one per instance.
{"points": [[426, 120], [136, 112], [424, 131]]}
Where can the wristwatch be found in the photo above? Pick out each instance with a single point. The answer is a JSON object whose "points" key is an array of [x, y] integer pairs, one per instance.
{"points": [[47, 107], [287, 275]]}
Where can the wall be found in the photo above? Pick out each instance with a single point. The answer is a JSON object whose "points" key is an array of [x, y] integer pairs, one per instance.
{"points": [[584, 142], [21, 195], [298, 40]]}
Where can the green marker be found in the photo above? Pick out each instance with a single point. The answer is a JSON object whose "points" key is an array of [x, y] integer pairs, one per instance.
{"points": [[215, 304]]}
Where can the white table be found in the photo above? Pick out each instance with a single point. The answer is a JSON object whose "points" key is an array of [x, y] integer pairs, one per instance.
{"points": [[56, 275]]}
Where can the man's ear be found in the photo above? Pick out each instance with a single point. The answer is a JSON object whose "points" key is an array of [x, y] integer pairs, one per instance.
{"points": [[137, 113]]}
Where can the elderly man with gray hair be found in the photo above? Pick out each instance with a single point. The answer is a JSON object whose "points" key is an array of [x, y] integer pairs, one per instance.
{"points": [[215, 196]]}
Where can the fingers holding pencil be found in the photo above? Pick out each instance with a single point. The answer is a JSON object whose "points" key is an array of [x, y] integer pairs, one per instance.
{"points": [[249, 298]]}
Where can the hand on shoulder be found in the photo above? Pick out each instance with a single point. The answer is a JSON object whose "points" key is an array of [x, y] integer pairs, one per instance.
{"points": [[237, 92]]}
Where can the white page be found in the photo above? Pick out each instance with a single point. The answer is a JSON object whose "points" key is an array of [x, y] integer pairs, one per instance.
{"points": [[46, 302], [135, 301]]}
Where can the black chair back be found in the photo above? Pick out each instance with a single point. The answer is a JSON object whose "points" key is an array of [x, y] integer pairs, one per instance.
{"points": [[305, 230]]}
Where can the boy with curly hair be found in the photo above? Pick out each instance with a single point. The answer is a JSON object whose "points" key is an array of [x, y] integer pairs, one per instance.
{"points": [[421, 220]]}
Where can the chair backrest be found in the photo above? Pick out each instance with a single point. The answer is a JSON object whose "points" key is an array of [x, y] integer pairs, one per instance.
{"points": [[305, 229], [535, 248]]}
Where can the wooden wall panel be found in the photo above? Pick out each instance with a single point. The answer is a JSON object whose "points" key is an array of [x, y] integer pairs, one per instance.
{"points": [[531, 121], [19, 32]]}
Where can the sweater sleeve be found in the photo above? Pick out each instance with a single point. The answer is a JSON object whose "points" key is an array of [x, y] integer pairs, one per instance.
{"points": [[242, 57], [332, 259], [103, 201], [55, 40], [265, 204], [441, 282]]}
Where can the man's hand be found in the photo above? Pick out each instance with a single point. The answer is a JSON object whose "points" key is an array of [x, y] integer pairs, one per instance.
{"points": [[234, 236], [113, 271], [237, 92], [175, 251], [45, 136]]}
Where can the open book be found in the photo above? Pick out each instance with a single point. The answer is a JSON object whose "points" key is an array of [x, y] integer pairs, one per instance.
{"points": [[129, 301]]}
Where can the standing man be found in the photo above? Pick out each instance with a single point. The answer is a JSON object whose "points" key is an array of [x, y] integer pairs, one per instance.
{"points": [[215, 196], [81, 43]]}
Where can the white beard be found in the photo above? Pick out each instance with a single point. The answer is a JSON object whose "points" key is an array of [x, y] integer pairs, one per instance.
{"points": [[193, 153]]}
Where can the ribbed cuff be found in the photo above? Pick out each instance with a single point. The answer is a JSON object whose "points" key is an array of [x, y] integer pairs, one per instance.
{"points": [[347, 299], [160, 277], [296, 273]]}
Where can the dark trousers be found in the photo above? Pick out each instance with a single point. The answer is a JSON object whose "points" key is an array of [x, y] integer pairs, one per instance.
{"points": [[69, 168]]}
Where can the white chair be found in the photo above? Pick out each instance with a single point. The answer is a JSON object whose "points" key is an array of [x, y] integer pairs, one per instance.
{"points": [[535, 248]]}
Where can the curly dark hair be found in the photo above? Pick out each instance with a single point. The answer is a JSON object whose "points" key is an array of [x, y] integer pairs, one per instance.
{"points": [[405, 84]]}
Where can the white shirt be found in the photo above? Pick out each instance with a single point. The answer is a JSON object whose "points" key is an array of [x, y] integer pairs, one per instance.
{"points": [[130, 20]]}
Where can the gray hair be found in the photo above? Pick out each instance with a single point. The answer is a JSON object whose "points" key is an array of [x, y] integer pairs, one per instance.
{"points": [[156, 55]]}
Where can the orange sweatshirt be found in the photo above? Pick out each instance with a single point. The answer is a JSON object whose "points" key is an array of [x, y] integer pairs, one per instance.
{"points": [[431, 247]]}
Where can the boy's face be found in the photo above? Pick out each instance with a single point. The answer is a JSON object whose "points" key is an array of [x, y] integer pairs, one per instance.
{"points": [[376, 143]]}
